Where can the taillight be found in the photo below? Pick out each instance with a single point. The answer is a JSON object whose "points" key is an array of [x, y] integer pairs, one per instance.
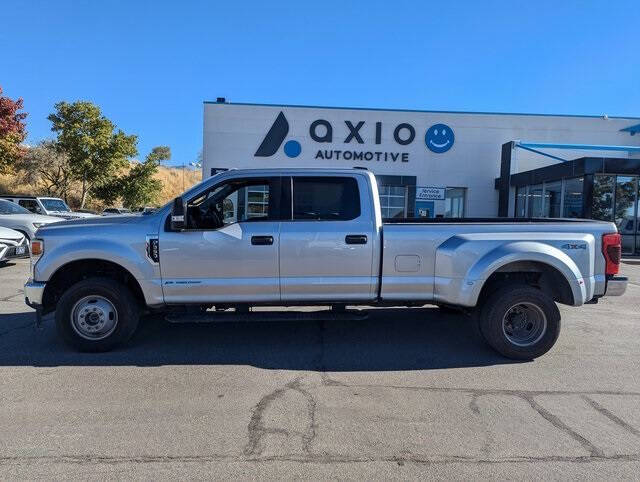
{"points": [[612, 250]]}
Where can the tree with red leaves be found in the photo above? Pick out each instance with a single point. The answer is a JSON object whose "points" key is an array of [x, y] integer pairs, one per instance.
{"points": [[12, 131]]}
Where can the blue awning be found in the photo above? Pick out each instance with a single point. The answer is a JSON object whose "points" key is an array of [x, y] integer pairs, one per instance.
{"points": [[579, 147]]}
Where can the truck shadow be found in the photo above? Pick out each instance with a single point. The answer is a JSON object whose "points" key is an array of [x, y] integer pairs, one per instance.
{"points": [[418, 339]]}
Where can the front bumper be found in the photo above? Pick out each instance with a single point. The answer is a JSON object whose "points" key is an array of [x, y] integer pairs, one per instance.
{"points": [[616, 286], [33, 292], [10, 250]]}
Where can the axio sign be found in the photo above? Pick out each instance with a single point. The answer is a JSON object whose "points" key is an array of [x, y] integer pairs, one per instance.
{"points": [[438, 138]]}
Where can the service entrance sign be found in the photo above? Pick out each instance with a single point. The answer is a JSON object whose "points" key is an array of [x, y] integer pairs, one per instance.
{"points": [[430, 193]]}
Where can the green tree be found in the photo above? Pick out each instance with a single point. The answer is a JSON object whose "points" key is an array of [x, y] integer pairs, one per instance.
{"points": [[12, 131], [138, 187], [96, 150]]}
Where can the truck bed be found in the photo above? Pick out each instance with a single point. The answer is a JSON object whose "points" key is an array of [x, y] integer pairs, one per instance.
{"points": [[486, 220]]}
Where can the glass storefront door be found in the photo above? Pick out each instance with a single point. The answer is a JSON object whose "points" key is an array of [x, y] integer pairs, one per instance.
{"points": [[625, 211], [616, 198]]}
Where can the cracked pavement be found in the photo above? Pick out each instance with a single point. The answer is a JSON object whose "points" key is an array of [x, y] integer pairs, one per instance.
{"points": [[404, 394]]}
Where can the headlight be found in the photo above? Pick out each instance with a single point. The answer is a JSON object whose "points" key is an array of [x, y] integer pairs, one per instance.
{"points": [[37, 225]]}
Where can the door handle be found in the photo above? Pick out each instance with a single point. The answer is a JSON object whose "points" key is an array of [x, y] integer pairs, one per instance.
{"points": [[356, 239], [261, 240]]}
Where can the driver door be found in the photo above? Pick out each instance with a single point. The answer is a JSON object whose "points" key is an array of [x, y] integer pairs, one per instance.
{"points": [[229, 251]]}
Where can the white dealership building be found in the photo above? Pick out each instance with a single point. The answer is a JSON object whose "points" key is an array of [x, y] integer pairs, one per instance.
{"points": [[436, 163]]}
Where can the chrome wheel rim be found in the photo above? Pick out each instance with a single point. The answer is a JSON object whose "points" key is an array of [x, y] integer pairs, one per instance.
{"points": [[94, 317], [524, 324]]}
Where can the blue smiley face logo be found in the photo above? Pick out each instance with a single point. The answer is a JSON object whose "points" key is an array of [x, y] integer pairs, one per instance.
{"points": [[439, 138]]}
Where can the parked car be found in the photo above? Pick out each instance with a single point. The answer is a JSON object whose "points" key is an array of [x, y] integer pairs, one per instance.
{"points": [[115, 211], [20, 219], [50, 206], [13, 244], [315, 237]]}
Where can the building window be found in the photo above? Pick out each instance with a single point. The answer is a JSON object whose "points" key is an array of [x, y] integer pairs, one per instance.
{"points": [[625, 216], [535, 201], [552, 199], [603, 198], [454, 202], [257, 201], [393, 201], [638, 220], [521, 201], [573, 198]]}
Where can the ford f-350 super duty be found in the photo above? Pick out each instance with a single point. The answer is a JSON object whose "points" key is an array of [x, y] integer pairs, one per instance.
{"points": [[286, 237]]}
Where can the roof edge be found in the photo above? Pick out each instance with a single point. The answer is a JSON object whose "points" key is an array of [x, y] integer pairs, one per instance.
{"points": [[302, 106]]}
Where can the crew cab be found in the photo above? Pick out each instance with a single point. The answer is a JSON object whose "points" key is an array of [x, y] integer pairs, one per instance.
{"points": [[288, 237]]}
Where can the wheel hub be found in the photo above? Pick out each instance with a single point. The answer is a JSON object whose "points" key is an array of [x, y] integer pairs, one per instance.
{"points": [[94, 317], [524, 324]]}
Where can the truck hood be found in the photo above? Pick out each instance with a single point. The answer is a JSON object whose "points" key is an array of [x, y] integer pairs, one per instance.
{"points": [[89, 223]]}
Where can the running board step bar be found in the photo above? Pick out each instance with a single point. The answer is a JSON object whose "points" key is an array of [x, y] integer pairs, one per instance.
{"points": [[257, 316]]}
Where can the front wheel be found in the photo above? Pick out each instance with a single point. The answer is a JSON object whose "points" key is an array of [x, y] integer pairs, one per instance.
{"points": [[520, 322], [96, 314]]}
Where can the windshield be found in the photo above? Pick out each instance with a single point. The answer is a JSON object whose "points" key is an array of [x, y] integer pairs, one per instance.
{"points": [[54, 204], [7, 207]]}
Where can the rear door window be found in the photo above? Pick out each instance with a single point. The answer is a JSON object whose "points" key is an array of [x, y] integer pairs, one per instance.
{"points": [[326, 198]]}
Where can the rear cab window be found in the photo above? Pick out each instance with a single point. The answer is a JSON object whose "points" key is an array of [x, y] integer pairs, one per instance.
{"points": [[325, 198]]}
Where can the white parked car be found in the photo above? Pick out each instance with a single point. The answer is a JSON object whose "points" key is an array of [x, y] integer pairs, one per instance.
{"points": [[20, 219], [13, 244], [50, 206]]}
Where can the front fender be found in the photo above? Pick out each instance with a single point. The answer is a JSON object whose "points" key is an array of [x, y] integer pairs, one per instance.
{"points": [[464, 265], [130, 256]]}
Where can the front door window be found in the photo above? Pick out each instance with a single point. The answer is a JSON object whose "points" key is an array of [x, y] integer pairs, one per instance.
{"points": [[625, 215], [230, 203]]}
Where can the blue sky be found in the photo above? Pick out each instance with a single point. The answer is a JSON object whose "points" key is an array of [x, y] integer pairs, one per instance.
{"points": [[150, 64]]}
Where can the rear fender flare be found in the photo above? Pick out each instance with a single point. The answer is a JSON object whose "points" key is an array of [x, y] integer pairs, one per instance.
{"points": [[525, 251]]}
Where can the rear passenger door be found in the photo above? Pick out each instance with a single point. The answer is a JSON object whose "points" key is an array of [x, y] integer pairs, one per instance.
{"points": [[326, 248]]}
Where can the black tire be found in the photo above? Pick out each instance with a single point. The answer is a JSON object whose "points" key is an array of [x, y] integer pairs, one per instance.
{"points": [[127, 313], [508, 303]]}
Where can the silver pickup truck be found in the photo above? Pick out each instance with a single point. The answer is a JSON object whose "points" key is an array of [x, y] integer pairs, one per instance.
{"points": [[288, 237]]}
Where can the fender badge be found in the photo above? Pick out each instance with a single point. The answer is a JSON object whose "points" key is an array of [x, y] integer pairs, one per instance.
{"points": [[574, 246]]}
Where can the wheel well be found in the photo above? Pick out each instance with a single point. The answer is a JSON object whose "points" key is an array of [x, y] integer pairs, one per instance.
{"points": [[538, 275], [69, 274]]}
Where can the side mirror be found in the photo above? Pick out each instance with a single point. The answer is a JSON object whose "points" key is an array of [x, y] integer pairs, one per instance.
{"points": [[177, 214]]}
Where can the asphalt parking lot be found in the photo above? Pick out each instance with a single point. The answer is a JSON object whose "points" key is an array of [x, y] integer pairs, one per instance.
{"points": [[404, 394]]}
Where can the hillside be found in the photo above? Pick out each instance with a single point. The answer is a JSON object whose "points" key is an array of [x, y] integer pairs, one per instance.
{"points": [[174, 181]]}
